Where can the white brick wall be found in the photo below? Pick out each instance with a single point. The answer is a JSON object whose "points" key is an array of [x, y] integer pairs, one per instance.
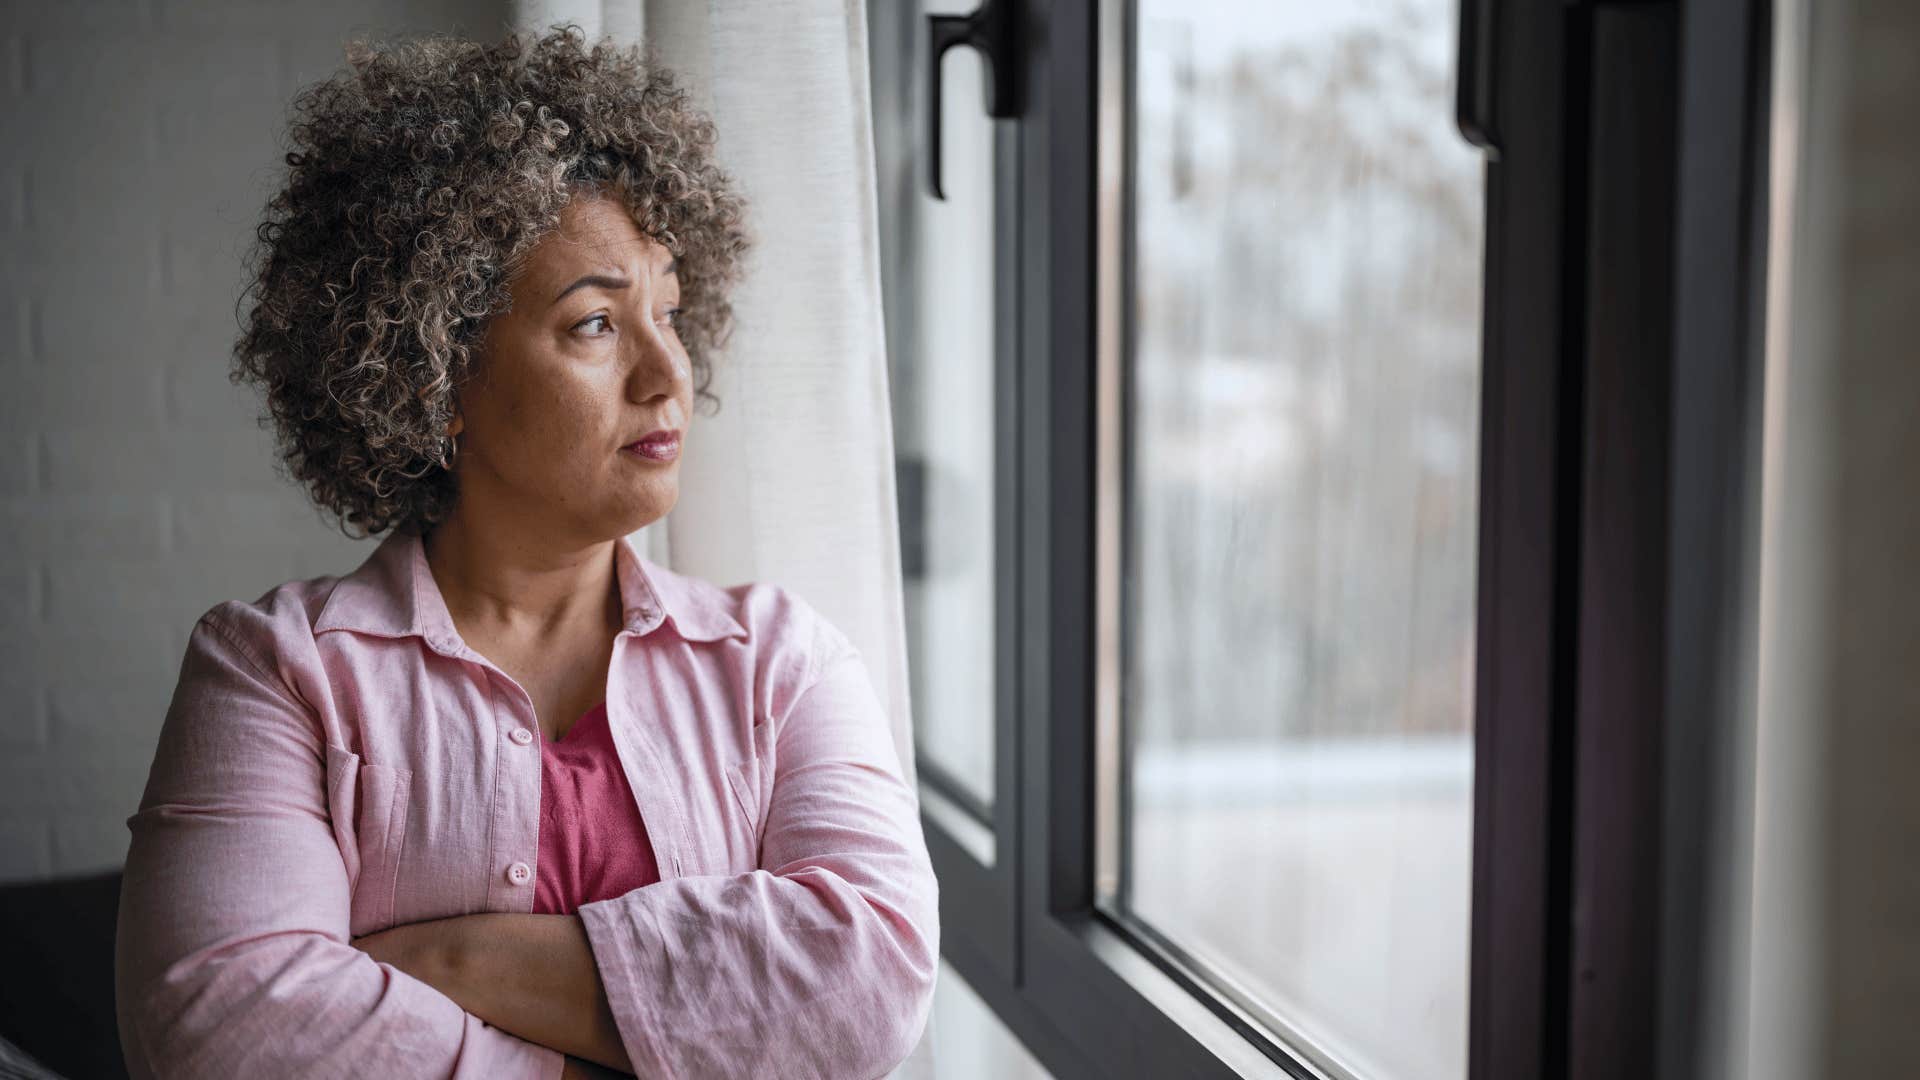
{"points": [[136, 489]]}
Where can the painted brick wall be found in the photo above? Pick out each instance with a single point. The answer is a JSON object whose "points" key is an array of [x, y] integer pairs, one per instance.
{"points": [[143, 138]]}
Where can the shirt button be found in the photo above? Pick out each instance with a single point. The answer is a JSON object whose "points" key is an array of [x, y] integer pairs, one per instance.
{"points": [[518, 873], [521, 735]]}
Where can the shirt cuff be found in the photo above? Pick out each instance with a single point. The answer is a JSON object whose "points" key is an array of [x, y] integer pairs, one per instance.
{"points": [[625, 978]]}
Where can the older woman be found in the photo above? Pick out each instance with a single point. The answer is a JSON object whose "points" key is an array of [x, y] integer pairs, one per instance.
{"points": [[511, 799]]}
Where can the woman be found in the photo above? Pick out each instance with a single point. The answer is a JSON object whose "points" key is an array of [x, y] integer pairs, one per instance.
{"points": [[511, 799]]}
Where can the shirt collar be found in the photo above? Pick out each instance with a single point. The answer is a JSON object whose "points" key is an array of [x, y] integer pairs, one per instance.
{"points": [[393, 594]]}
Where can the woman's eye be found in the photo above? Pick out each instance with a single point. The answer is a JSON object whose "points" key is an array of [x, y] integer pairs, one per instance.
{"points": [[671, 318]]}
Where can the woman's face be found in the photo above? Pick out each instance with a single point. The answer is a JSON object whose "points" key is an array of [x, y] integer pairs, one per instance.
{"points": [[585, 363]]}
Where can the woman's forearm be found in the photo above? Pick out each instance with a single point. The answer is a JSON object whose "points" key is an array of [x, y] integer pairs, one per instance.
{"points": [[532, 975]]}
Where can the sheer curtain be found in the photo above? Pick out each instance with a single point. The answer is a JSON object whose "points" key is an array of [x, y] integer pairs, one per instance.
{"points": [[792, 481]]}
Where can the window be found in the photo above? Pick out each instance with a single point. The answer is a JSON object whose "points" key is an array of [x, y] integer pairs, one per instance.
{"points": [[1299, 440], [950, 289], [942, 343], [1327, 690]]}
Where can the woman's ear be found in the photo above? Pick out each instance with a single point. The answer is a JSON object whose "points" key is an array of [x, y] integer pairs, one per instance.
{"points": [[455, 425]]}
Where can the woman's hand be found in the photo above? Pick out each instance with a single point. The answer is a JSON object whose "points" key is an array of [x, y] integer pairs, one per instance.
{"points": [[420, 950], [532, 975]]}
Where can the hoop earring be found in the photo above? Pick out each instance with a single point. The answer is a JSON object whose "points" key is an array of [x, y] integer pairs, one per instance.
{"points": [[447, 455]]}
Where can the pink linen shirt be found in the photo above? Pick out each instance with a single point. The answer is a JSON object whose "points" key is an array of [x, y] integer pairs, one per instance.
{"points": [[336, 761]]}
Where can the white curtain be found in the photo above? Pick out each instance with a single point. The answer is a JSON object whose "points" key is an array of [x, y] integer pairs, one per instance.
{"points": [[1822, 981], [792, 481]]}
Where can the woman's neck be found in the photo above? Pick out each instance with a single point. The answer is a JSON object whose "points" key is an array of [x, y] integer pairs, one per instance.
{"points": [[503, 584]]}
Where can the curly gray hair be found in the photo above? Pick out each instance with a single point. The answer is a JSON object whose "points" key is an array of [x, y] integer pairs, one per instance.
{"points": [[421, 177]]}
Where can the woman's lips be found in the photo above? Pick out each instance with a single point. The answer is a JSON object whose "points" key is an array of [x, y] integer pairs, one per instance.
{"points": [[655, 448]]}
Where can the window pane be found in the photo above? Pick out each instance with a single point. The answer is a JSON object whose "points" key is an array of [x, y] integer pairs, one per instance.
{"points": [[1300, 517], [940, 310]]}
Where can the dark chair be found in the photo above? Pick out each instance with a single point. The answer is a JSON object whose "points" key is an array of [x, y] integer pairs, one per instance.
{"points": [[56, 973]]}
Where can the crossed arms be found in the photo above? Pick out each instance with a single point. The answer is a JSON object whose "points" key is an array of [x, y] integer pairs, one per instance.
{"points": [[233, 956]]}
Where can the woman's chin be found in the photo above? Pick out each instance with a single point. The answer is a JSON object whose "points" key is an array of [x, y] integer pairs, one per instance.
{"points": [[643, 508]]}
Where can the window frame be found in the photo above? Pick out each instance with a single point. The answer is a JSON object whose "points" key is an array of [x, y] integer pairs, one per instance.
{"points": [[978, 895], [1581, 584]]}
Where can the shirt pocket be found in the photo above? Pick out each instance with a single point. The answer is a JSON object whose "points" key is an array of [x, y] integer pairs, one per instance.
{"points": [[369, 804]]}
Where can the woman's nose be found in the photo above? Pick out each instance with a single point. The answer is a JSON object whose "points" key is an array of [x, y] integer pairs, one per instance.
{"points": [[660, 366]]}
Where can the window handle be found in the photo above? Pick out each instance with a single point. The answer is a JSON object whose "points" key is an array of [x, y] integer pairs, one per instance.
{"points": [[1473, 105], [990, 32]]}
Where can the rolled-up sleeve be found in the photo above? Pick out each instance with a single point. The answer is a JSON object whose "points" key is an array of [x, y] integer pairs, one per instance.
{"points": [[822, 962], [232, 955]]}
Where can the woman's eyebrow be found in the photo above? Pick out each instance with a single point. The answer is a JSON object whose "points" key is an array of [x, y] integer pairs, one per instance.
{"points": [[604, 281], [608, 281]]}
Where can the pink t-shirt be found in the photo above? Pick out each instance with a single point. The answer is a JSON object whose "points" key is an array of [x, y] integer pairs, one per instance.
{"points": [[593, 845]]}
